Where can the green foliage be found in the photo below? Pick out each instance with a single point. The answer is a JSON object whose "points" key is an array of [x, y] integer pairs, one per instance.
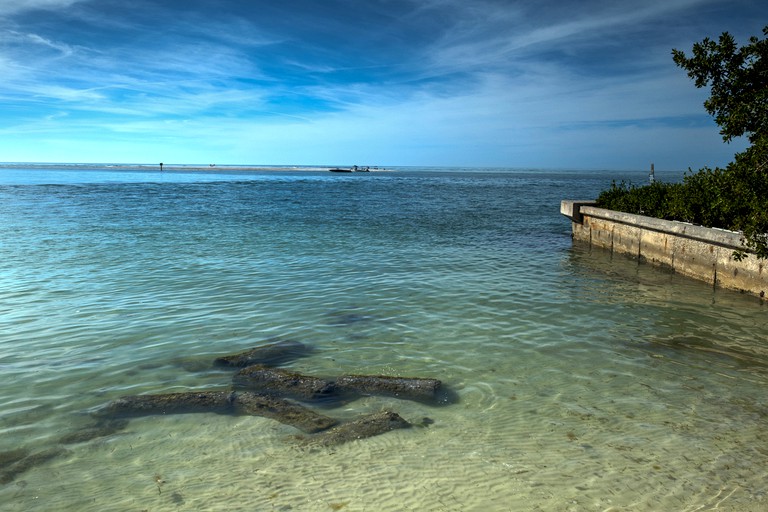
{"points": [[734, 198], [652, 200], [739, 83]]}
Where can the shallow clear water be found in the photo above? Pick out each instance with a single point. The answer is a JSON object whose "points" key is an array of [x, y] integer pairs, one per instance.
{"points": [[584, 381]]}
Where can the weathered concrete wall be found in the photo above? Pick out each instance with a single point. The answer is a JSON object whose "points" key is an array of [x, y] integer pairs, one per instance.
{"points": [[694, 251]]}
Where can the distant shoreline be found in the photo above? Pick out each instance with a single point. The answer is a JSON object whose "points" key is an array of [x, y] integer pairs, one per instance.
{"points": [[177, 167]]}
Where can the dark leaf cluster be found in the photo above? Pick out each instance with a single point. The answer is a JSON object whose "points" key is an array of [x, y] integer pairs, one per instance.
{"points": [[738, 77]]}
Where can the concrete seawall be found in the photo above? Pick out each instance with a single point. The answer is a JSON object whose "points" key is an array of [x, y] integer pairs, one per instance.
{"points": [[695, 251]]}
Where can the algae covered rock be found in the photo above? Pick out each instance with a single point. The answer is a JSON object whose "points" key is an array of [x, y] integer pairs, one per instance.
{"points": [[285, 412], [361, 428], [412, 388], [103, 428], [220, 402], [280, 382], [9, 472], [170, 403]]}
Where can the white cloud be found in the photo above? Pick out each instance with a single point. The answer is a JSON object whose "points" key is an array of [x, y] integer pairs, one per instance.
{"points": [[488, 84], [65, 49], [16, 6], [502, 37]]}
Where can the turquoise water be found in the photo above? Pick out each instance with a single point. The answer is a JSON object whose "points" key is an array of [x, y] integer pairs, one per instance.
{"points": [[584, 381]]}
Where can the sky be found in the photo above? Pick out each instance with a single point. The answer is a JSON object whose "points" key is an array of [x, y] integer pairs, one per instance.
{"points": [[586, 84]]}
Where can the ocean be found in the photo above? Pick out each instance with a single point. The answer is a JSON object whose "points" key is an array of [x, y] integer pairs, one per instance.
{"points": [[577, 380]]}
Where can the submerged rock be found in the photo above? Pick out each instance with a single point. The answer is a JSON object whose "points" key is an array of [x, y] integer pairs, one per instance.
{"points": [[11, 456], [9, 473], [364, 427], [170, 403], [285, 412], [411, 388], [348, 317], [285, 383], [221, 402], [280, 382], [103, 428], [274, 353]]}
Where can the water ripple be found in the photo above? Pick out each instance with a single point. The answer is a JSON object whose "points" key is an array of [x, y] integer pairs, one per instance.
{"points": [[575, 372]]}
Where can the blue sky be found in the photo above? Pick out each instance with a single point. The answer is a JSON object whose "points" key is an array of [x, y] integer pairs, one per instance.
{"points": [[549, 84]]}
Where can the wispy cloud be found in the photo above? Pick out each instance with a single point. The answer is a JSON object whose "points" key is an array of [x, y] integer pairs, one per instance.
{"points": [[504, 39], [415, 80], [16, 6], [63, 48]]}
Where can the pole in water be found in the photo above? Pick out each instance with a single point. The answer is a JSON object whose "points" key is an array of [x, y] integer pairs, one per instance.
{"points": [[651, 176], [161, 166]]}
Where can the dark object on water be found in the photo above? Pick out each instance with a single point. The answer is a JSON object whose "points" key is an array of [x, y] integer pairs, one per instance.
{"points": [[274, 353], [285, 412], [366, 426], [170, 403], [11, 456], [103, 428], [279, 382], [411, 388], [425, 422], [221, 402], [9, 473], [348, 317], [353, 169]]}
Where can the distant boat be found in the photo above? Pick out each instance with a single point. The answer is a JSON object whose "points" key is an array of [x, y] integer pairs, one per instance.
{"points": [[353, 169]]}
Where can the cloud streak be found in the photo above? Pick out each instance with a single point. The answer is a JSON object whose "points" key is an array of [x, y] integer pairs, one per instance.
{"points": [[423, 83], [8, 7]]}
